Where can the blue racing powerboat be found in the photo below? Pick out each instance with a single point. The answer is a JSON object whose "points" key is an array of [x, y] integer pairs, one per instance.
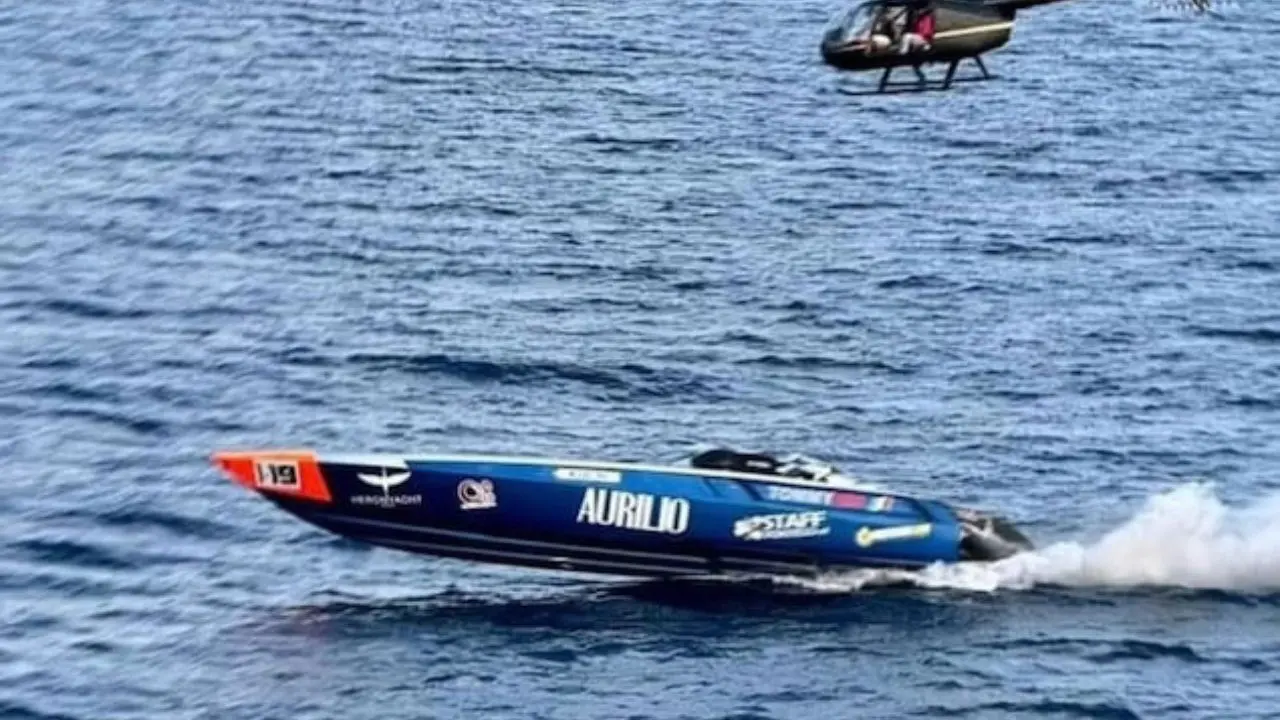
{"points": [[724, 513]]}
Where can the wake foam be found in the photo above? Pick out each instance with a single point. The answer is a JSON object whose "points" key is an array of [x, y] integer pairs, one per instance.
{"points": [[1184, 538]]}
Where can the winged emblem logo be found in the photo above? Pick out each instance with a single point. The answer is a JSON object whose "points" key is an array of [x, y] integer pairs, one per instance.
{"points": [[384, 480]]}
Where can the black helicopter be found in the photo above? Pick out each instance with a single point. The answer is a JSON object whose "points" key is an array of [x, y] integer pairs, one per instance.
{"points": [[889, 34]]}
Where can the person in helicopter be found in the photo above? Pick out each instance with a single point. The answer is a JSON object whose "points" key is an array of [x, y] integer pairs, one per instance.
{"points": [[920, 37], [888, 28]]}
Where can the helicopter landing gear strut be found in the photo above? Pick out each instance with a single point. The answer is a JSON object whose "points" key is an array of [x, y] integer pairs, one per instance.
{"points": [[951, 72], [924, 84]]}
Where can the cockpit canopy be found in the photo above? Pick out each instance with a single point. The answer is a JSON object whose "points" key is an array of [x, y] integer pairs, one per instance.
{"points": [[860, 21], [794, 466]]}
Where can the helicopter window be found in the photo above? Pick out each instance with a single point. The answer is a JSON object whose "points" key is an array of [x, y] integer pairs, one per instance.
{"points": [[853, 23], [867, 19], [892, 22]]}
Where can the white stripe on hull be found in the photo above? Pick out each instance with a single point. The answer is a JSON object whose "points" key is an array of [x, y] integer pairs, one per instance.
{"points": [[401, 461]]}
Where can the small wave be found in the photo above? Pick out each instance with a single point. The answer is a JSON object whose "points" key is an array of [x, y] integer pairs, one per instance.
{"points": [[1145, 650], [1259, 335], [487, 370], [49, 553], [93, 310], [1253, 665], [17, 711], [1108, 651], [968, 143], [743, 337], [795, 306], [691, 285], [1253, 402], [815, 362], [95, 647], [1260, 265], [1104, 239], [56, 581], [329, 21], [352, 205], [421, 72], [628, 380], [613, 143], [556, 655], [66, 390], [137, 425], [303, 356], [73, 553], [1012, 249], [134, 518], [914, 282], [1231, 176], [51, 363], [529, 605], [1108, 711]]}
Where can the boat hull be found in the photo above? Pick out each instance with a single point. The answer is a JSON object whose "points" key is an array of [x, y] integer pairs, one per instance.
{"points": [[601, 518]]}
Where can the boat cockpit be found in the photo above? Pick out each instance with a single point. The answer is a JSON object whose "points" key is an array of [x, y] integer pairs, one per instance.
{"points": [[793, 467]]}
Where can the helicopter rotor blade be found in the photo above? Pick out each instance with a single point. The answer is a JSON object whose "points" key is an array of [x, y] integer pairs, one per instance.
{"points": [[1199, 6]]}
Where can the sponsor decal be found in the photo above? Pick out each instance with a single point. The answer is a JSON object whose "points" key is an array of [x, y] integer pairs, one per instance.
{"points": [[782, 493], [588, 475], [277, 474], [634, 511], [385, 482], [882, 503], [784, 526], [866, 537], [849, 501], [806, 496], [476, 495]]}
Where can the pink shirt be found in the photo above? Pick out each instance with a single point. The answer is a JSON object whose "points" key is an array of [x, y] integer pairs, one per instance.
{"points": [[924, 27]]}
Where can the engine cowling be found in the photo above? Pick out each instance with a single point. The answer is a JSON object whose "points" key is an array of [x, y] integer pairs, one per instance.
{"points": [[986, 538]]}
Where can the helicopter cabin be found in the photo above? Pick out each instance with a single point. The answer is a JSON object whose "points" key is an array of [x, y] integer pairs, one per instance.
{"points": [[882, 34]]}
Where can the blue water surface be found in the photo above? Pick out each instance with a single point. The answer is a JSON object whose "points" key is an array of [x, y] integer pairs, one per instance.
{"points": [[618, 230]]}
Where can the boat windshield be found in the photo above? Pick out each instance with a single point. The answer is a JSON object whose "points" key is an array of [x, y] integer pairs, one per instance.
{"points": [[793, 467], [853, 23]]}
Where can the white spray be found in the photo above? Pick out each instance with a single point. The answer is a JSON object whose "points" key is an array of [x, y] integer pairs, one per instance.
{"points": [[1184, 538]]}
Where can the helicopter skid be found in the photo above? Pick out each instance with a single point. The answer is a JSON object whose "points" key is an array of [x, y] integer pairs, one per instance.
{"points": [[923, 83]]}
